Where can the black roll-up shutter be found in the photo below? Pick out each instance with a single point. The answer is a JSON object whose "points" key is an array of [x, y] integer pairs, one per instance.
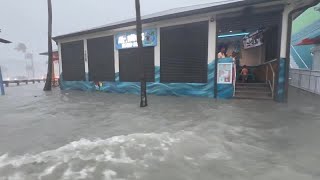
{"points": [[101, 59], [130, 70], [248, 22], [73, 68], [184, 53]]}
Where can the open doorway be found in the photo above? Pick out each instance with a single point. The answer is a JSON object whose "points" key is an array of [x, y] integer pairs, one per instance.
{"points": [[254, 48]]}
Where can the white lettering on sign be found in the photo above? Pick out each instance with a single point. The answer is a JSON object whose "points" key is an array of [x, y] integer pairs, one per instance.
{"points": [[121, 39], [129, 39], [132, 38], [142, 36]]}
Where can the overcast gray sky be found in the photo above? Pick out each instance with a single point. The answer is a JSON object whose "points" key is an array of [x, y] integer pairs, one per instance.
{"points": [[25, 21]]}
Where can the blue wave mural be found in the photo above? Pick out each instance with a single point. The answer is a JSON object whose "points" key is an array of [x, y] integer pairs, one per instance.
{"points": [[157, 88]]}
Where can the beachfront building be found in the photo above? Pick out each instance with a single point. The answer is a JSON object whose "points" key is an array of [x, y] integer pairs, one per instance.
{"points": [[192, 51]]}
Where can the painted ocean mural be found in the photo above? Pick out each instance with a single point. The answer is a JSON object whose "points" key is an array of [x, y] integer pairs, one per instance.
{"points": [[157, 88]]}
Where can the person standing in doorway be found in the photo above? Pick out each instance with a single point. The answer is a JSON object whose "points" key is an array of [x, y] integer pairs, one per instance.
{"points": [[244, 74], [222, 53]]}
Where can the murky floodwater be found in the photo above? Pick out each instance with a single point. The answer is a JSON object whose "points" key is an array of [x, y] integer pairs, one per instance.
{"points": [[79, 135]]}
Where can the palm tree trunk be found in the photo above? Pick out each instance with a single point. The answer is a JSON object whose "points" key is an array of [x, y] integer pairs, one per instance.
{"points": [[47, 86], [143, 85]]}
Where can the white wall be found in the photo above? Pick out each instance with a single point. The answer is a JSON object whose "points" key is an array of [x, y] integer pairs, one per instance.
{"points": [[158, 25], [60, 57], [316, 58], [212, 40], [284, 31], [253, 56]]}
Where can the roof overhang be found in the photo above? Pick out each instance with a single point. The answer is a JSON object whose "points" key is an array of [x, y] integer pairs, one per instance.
{"points": [[151, 19], [4, 41]]}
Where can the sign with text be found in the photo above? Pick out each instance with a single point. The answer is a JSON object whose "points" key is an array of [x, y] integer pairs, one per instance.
{"points": [[129, 39], [254, 39]]}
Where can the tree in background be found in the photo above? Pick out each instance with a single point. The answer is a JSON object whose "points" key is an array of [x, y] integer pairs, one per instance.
{"points": [[48, 84]]}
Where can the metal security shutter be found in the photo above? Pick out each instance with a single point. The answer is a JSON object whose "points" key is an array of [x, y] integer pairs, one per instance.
{"points": [[248, 22], [184, 53], [73, 61], [101, 59], [130, 70]]}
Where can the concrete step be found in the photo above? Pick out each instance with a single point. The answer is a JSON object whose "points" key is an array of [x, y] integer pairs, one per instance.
{"points": [[251, 85], [260, 91], [253, 88], [253, 97], [254, 92]]}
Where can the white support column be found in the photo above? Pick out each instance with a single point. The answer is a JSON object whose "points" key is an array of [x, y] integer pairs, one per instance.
{"points": [[212, 41], [60, 58], [86, 64], [116, 59], [284, 31], [157, 49]]}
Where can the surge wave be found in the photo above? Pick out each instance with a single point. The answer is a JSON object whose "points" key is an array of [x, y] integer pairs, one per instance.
{"points": [[119, 157]]}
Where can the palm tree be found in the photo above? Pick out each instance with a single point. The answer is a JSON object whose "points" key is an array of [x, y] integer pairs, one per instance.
{"points": [[47, 86], [143, 85]]}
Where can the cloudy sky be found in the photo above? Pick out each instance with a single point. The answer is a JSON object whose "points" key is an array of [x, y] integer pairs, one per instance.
{"points": [[25, 21]]}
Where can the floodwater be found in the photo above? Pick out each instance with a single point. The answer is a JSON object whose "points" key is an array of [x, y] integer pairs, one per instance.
{"points": [[80, 135]]}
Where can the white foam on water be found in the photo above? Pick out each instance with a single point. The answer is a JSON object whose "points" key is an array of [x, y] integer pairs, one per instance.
{"points": [[109, 174], [16, 176], [135, 152], [83, 174], [47, 171]]}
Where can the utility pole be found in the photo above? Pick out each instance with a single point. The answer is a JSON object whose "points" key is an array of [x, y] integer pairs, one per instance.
{"points": [[48, 84], [1, 83], [143, 83]]}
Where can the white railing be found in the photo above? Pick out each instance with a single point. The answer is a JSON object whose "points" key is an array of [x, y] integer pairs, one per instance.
{"points": [[272, 81], [234, 79], [305, 79]]}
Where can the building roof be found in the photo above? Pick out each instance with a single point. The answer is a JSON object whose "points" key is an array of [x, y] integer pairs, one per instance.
{"points": [[169, 14], [47, 53], [4, 41]]}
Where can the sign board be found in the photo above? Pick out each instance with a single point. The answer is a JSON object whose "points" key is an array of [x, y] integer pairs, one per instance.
{"points": [[129, 39], [254, 39], [225, 73]]}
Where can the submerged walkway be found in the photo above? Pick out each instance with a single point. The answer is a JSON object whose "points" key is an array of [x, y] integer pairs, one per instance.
{"points": [[73, 134]]}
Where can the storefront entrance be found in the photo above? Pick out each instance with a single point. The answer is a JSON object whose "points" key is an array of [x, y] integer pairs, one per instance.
{"points": [[252, 44]]}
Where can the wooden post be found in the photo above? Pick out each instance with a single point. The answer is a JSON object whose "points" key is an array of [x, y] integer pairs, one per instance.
{"points": [[143, 84]]}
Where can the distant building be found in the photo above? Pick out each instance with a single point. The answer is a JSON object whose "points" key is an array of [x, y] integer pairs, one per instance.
{"points": [[55, 65]]}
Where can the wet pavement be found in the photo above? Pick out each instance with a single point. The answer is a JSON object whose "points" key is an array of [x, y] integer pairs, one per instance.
{"points": [[81, 135]]}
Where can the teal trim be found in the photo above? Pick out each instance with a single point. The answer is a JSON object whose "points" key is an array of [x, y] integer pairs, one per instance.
{"points": [[281, 81], [232, 35]]}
